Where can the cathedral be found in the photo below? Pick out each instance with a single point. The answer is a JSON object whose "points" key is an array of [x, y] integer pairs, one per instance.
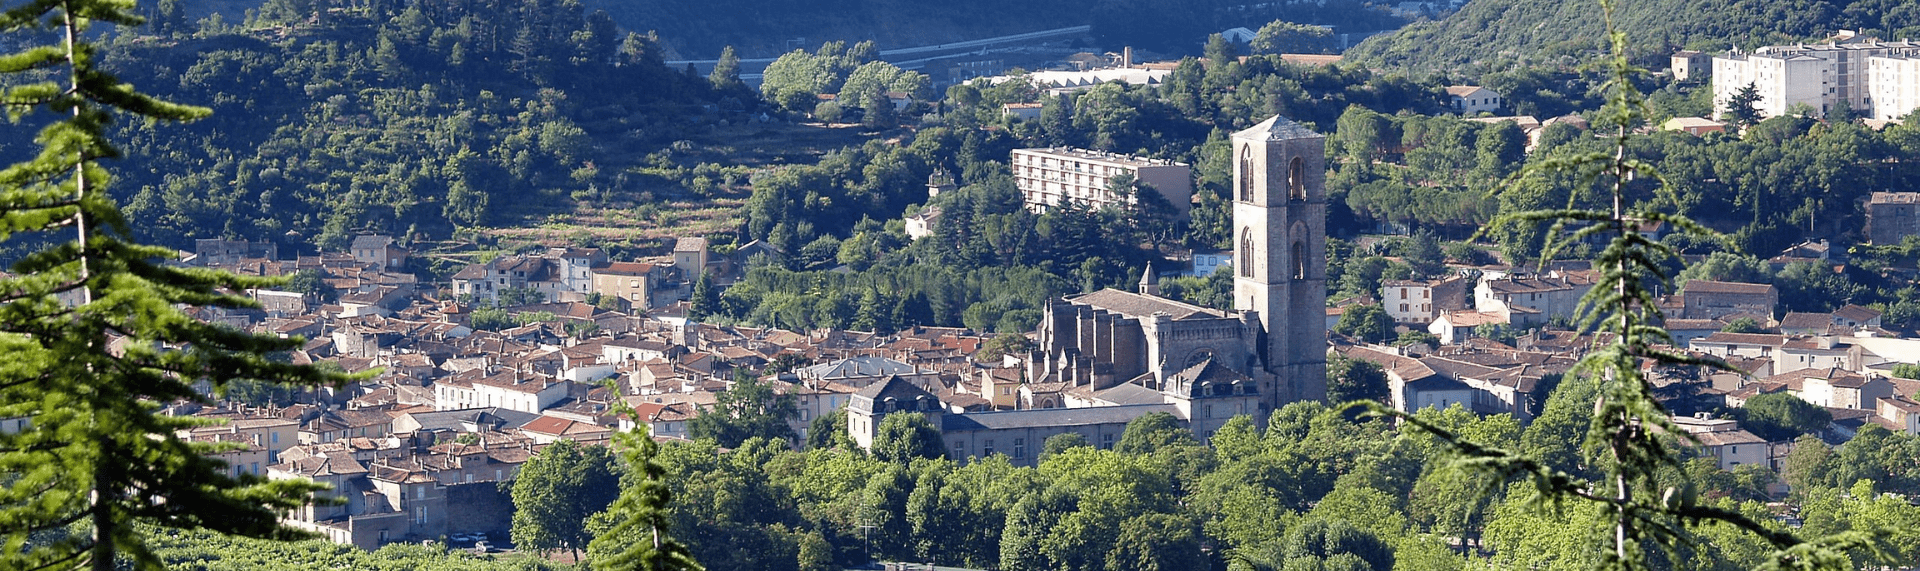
{"points": [[1270, 349]]}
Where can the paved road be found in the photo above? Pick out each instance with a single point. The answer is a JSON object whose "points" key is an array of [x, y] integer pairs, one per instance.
{"points": [[906, 58]]}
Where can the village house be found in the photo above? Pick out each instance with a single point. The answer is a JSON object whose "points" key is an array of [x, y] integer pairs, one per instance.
{"points": [[1527, 301], [1419, 302], [1708, 299], [1472, 99], [1725, 441], [378, 251]]}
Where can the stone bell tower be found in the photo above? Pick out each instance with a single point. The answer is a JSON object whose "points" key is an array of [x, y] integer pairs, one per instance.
{"points": [[1280, 252]]}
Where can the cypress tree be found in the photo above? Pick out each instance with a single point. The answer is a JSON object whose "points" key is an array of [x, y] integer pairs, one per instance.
{"points": [[637, 539], [94, 335], [1628, 440]]}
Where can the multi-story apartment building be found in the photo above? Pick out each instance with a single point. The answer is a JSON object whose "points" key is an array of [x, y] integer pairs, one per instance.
{"points": [[1874, 78], [1049, 177]]}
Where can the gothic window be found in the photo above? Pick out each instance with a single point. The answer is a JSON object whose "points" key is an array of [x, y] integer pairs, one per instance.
{"points": [[1197, 357], [1299, 261], [1297, 179], [1246, 253], [1246, 173]]}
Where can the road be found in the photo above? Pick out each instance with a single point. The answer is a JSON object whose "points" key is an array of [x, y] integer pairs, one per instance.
{"points": [[751, 70]]}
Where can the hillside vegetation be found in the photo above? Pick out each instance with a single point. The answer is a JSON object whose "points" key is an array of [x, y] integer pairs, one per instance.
{"points": [[1491, 35]]}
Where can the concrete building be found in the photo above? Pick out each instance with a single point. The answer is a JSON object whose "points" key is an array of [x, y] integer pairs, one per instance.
{"points": [[1894, 84], [1473, 99], [1874, 78], [1206, 263], [1725, 441], [1892, 216], [642, 286], [1420, 302], [1049, 177]]}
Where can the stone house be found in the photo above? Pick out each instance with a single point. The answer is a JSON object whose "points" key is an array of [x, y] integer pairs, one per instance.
{"points": [[1708, 299]]}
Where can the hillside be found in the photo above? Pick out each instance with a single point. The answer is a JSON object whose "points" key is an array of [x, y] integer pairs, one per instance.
{"points": [[762, 28], [1488, 35]]}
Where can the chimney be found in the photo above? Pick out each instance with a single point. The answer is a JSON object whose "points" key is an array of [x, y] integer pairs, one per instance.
{"points": [[1126, 57]]}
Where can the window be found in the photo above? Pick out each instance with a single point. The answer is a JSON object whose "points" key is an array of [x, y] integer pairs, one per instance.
{"points": [[1209, 412], [1019, 448], [1299, 261], [1297, 179], [420, 515], [1246, 252], [959, 449], [1403, 293], [1106, 441], [419, 492], [1246, 173], [988, 449]]}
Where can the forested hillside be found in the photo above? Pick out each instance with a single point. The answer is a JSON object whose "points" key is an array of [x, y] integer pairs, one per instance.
{"points": [[405, 118], [761, 28], [1491, 35]]}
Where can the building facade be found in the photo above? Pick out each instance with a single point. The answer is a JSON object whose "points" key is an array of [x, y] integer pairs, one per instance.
{"points": [[1892, 216], [1050, 177], [1876, 79]]}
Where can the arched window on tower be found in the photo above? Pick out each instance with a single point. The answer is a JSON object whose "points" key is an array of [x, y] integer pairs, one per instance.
{"points": [[1246, 173], [1299, 261], [1246, 252], [1297, 179]]}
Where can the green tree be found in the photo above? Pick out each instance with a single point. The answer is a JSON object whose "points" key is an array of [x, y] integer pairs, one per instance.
{"points": [[1282, 37], [1743, 108], [750, 408], [1423, 253], [555, 492], [638, 539], [1355, 379], [1219, 51], [1726, 267], [1743, 325], [1061, 443], [1906, 371], [726, 72], [705, 298], [1369, 323], [1780, 417], [829, 431], [90, 373], [1152, 432], [903, 436]]}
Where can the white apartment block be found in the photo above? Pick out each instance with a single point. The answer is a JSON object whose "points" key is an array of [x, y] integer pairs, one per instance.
{"points": [[1895, 84], [1049, 177], [1877, 79]]}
